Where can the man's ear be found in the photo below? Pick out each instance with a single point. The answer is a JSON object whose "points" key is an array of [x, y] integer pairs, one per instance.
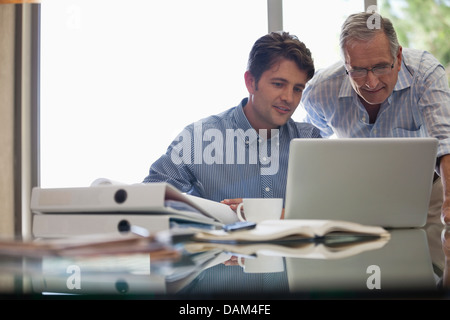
{"points": [[250, 82], [399, 58]]}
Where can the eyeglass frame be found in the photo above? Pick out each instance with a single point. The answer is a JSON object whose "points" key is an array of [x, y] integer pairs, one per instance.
{"points": [[371, 69]]}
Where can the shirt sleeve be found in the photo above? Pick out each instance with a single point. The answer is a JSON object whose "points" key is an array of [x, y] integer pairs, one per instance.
{"points": [[312, 105], [307, 130], [174, 167], [434, 103], [164, 170]]}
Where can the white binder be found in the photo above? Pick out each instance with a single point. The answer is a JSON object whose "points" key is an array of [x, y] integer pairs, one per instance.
{"points": [[114, 208]]}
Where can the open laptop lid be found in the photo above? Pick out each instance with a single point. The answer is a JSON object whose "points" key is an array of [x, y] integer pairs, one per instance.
{"points": [[375, 181]]}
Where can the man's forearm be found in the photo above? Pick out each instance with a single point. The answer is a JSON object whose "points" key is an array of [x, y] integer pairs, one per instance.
{"points": [[445, 177]]}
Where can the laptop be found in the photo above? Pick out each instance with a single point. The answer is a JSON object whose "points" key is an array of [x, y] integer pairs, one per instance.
{"points": [[374, 181]]}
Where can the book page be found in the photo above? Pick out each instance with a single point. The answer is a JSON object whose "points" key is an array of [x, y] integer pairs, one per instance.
{"points": [[296, 249], [275, 230], [220, 211], [268, 230], [213, 209], [331, 226]]}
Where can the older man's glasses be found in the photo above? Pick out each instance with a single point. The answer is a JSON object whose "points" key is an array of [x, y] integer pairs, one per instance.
{"points": [[378, 71]]}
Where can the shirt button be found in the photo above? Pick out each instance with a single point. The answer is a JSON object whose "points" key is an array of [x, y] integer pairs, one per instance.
{"points": [[264, 159], [267, 189]]}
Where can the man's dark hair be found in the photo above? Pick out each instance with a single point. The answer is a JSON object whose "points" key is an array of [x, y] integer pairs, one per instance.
{"points": [[271, 48]]}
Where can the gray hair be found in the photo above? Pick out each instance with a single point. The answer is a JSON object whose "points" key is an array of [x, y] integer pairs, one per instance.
{"points": [[357, 27]]}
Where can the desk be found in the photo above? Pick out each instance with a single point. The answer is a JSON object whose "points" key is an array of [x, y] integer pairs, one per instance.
{"points": [[412, 264]]}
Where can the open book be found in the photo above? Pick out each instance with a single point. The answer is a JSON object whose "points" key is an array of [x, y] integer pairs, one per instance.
{"points": [[292, 229], [337, 248]]}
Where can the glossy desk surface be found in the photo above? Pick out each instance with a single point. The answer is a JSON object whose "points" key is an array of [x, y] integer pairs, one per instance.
{"points": [[411, 264]]}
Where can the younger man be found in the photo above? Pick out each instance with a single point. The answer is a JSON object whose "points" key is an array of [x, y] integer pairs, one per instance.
{"points": [[243, 151]]}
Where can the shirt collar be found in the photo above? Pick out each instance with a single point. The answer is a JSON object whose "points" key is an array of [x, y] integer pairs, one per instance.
{"points": [[346, 89], [240, 118], [243, 123], [405, 77]]}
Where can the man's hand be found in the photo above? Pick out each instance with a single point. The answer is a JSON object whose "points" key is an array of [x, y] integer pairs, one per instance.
{"points": [[445, 212], [233, 261], [233, 203]]}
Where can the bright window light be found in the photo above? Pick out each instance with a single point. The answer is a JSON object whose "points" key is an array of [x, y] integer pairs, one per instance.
{"points": [[120, 79], [318, 25]]}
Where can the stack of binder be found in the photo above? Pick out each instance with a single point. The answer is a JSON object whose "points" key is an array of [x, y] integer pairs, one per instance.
{"points": [[116, 208]]}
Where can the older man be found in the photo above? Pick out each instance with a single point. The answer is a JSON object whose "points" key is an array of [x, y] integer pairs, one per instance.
{"points": [[383, 90]]}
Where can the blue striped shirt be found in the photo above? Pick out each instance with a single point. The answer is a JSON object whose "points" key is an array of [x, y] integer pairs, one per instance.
{"points": [[418, 107], [223, 157]]}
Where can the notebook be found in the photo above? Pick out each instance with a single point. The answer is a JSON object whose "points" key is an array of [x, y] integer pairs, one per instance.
{"points": [[375, 181]]}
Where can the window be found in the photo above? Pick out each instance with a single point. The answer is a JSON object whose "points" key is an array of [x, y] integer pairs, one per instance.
{"points": [[416, 30], [119, 80], [325, 17]]}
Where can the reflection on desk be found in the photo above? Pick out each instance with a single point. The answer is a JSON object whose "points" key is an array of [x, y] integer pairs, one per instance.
{"points": [[402, 267], [403, 264]]}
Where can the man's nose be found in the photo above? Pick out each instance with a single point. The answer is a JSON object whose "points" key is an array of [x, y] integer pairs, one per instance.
{"points": [[371, 80]]}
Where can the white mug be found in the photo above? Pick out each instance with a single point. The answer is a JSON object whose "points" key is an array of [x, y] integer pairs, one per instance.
{"points": [[259, 209], [262, 264]]}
